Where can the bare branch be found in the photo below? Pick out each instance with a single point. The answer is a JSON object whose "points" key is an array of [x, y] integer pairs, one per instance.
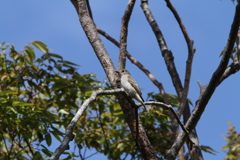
{"points": [[95, 41], [124, 33], [168, 57], [69, 135], [201, 105], [167, 54], [181, 25], [231, 69], [189, 60], [184, 107], [167, 107]]}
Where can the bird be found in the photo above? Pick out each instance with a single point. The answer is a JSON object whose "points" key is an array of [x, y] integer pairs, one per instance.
{"points": [[131, 87]]}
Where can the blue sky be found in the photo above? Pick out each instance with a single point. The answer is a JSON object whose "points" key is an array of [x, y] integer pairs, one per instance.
{"points": [[208, 23]]}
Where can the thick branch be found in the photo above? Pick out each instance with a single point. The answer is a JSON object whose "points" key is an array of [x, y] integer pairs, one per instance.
{"points": [[95, 41], [123, 34], [201, 105], [128, 110]]}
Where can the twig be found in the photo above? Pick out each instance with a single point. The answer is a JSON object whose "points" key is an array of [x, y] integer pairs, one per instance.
{"points": [[169, 107]]}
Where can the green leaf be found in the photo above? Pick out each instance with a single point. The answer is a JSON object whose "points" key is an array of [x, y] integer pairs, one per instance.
{"points": [[56, 135], [230, 123], [119, 145], [3, 100], [37, 155], [48, 139], [67, 62], [47, 152], [8, 92], [41, 46], [29, 53], [55, 55], [17, 103], [208, 149]]}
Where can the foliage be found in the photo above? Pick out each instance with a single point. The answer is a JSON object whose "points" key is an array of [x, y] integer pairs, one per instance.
{"points": [[233, 143], [38, 97]]}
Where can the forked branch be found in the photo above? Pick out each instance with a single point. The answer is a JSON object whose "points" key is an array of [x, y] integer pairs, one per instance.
{"points": [[206, 95]]}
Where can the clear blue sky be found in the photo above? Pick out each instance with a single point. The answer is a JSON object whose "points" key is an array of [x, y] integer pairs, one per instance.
{"points": [[208, 22]]}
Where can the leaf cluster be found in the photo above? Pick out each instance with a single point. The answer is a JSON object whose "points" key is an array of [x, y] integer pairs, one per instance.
{"points": [[233, 143], [38, 97]]}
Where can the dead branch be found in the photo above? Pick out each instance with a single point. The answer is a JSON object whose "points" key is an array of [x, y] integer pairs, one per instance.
{"points": [[201, 105], [123, 34]]}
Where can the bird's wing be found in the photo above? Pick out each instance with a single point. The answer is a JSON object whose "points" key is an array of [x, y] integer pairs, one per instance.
{"points": [[135, 86]]}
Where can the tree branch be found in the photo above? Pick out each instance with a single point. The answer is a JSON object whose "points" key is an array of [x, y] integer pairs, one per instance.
{"points": [[201, 105], [123, 34], [231, 69], [184, 107], [68, 134], [189, 60], [167, 54], [128, 110], [168, 57]]}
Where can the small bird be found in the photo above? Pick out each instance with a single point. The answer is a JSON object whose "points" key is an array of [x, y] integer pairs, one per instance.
{"points": [[131, 87]]}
